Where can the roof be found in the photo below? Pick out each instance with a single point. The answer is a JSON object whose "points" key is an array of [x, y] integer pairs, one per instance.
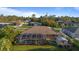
{"points": [[71, 22], [28, 20], [35, 23], [68, 22], [61, 38], [4, 23], [73, 29], [40, 30]]}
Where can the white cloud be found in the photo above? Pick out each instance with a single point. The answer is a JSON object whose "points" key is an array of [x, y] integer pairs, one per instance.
{"points": [[9, 11]]}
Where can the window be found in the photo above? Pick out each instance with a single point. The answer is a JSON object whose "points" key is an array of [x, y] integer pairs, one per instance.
{"points": [[28, 41], [24, 35], [39, 35], [28, 35], [33, 36]]}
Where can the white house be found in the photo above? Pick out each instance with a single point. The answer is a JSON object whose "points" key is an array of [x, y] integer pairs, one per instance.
{"points": [[4, 24]]}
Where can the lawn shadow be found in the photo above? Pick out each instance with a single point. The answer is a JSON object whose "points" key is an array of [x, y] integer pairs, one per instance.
{"points": [[40, 49], [48, 49]]}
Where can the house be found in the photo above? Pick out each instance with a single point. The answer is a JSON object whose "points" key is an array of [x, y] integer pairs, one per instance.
{"points": [[71, 23], [17, 23], [61, 41], [76, 24], [36, 35], [68, 23], [28, 20], [4, 24], [72, 31], [60, 21], [35, 24]]}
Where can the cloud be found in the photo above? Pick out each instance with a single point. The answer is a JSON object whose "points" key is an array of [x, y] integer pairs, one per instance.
{"points": [[10, 11], [58, 11]]}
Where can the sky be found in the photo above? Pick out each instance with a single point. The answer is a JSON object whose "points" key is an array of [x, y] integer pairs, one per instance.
{"points": [[40, 11]]}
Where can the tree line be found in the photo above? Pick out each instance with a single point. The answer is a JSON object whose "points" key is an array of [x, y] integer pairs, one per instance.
{"points": [[47, 20]]}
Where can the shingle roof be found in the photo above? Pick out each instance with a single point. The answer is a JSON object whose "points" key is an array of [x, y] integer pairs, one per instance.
{"points": [[40, 30], [73, 29]]}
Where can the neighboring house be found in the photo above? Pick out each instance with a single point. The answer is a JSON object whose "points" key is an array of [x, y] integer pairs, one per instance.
{"points": [[17, 23], [36, 35], [68, 23], [60, 21], [76, 24], [73, 32], [4, 24], [71, 23], [28, 20], [61, 41], [35, 24]]}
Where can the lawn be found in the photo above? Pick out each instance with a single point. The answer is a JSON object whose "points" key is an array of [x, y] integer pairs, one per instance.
{"points": [[37, 48], [57, 29]]}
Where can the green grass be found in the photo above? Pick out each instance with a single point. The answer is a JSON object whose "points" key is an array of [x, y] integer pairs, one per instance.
{"points": [[57, 29], [25, 26], [37, 48]]}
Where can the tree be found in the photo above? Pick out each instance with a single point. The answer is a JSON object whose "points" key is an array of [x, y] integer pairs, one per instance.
{"points": [[9, 36], [2, 34], [6, 44], [33, 18]]}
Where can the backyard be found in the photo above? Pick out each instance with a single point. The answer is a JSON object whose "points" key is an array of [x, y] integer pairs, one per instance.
{"points": [[37, 48]]}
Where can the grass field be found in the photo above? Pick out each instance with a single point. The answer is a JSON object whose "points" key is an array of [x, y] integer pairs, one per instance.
{"points": [[37, 48], [57, 29]]}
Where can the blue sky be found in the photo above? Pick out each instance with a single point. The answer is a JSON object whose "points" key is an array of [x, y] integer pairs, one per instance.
{"points": [[28, 11]]}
